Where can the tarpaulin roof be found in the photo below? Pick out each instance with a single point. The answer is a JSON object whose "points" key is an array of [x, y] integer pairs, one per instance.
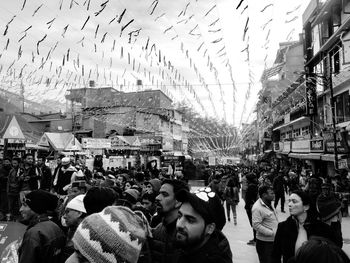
{"points": [[64, 141]]}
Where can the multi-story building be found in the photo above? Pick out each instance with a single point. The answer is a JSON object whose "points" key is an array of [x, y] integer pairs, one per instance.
{"points": [[311, 116], [282, 79], [148, 115], [326, 28]]}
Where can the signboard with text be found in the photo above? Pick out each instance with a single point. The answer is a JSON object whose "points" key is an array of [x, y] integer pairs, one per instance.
{"points": [[316, 145], [96, 143], [342, 140]]}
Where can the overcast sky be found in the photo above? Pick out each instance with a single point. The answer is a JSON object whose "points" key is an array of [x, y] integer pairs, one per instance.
{"points": [[195, 50]]}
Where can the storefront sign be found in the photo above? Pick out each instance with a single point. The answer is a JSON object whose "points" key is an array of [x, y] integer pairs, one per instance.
{"points": [[311, 101], [342, 142], [301, 146], [17, 141], [96, 143], [343, 163], [150, 140], [316, 145]]}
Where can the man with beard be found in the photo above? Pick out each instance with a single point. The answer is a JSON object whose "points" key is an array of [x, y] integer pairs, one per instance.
{"points": [[162, 245], [198, 228]]}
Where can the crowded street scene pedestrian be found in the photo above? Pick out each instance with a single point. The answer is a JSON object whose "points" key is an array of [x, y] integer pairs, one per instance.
{"points": [[175, 131], [169, 219]]}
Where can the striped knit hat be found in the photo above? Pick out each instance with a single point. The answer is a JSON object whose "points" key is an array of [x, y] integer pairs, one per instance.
{"points": [[114, 235]]}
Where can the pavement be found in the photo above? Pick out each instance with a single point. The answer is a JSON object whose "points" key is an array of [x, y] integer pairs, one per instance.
{"points": [[240, 234]]}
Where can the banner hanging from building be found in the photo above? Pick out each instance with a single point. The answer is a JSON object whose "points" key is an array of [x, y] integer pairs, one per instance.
{"points": [[311, 98]]}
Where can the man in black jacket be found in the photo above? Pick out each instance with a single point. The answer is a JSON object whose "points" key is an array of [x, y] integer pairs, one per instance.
{"points": [[43, 240], [46, 179], [250, 198], [201, 219], [162, 244], [278, 188], [31, 176]]}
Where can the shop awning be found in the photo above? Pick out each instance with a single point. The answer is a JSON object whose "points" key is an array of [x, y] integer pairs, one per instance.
{"points": [[330, 157], [290, 123], [305, 156]]}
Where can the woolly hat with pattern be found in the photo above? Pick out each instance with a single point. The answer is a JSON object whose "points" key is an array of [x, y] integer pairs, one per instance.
{"points": [[327, 207], [116, 234]]}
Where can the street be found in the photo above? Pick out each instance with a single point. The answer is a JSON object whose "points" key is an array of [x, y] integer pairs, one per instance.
{"points": [[241, 233]]}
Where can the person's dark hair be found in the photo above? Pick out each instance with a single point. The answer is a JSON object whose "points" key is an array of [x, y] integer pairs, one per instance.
{"points": [[149, 197], [98, 198], [28, 154], [320, 250], [131, 182], [176, 184], [231, 183], [139, 177], [263, 189], [305, 198], [8, 158], [16, 159]]}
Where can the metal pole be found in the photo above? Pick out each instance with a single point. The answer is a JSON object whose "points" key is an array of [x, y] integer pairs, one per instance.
{"points": [[330, 86]]}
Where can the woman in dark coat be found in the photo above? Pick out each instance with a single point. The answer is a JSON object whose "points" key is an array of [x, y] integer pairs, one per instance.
{"points": [[298, 228]]}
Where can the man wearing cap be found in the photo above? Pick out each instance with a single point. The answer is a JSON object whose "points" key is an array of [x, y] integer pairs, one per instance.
{"points": [[198, 228], [43, 240], [164, 234], [73, 215], [63, 176]]}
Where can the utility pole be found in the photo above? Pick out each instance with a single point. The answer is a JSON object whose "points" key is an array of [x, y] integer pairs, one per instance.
{"points": [[330, 86]]}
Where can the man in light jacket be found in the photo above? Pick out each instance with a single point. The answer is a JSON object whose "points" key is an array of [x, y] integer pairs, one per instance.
{"points": [[265, 223]]}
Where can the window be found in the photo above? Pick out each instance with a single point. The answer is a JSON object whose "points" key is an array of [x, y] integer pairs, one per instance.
{"points": [[283, 135], [325, 31], [342, 107], [346, 6], [296, 133], [336, 60], [336, 17], [305, 131]]}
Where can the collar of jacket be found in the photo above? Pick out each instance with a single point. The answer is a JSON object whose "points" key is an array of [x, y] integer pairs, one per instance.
{"points": [[265, 205], [38, 219]]}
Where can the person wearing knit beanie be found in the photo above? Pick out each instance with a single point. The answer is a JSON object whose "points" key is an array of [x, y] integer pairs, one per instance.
{"points": [[73, 215], [328, 207], [74, 211], [116, 234], [97, 198], [39, 202], [153, 186], [43, 240]]}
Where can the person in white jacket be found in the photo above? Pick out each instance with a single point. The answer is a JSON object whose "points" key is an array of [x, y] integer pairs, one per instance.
{"points": [[265, 223]]}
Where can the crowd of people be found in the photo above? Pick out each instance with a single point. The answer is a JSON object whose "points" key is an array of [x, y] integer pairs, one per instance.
{"points": [[75, 215]]}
